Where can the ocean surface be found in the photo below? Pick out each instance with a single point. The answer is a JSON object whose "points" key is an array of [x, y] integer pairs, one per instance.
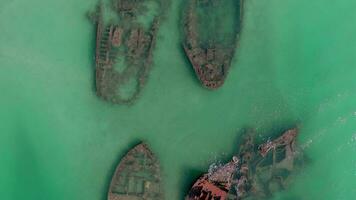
{"points": [[295, 65]]}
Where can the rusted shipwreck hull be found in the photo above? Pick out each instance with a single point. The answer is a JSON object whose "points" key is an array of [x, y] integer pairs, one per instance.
{"points": [[211, 59], [137, 177], [257, 171], [215, 185]]}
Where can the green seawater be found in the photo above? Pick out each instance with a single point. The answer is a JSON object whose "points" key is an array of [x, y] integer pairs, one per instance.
{"points": [[295, 64]]}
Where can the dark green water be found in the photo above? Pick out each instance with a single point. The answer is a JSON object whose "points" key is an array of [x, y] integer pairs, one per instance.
{"points": [[295, 63]]}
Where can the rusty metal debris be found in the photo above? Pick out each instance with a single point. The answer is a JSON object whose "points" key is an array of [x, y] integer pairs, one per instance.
{"points": [[137, 176], [216, 184], [257, 171], [209, 56]]}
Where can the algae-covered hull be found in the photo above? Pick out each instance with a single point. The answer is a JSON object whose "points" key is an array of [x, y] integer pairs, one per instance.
{"points": [[137, 176], [211, 31], [125, 39]]}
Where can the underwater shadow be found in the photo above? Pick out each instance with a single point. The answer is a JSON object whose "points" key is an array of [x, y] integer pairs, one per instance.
{"points": [[187, 180], [90, 18], [181, 7]]}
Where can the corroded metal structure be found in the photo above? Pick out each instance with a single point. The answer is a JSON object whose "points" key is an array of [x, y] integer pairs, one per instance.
{"points": [[210, 54], [137, 176], [257, 171], [214, 185]]}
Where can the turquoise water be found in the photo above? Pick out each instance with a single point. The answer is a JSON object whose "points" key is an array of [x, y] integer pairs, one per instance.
{"points": [[295, 64]]}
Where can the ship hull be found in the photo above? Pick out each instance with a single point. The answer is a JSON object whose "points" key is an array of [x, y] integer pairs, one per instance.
{"points": [[210, 57], [124, 49], [258, 171], [137, 177]]}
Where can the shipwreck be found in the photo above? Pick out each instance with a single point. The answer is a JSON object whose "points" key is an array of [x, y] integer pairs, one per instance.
{"points": [[137, 177], [124, 47], [211, 32], [257, 171]]}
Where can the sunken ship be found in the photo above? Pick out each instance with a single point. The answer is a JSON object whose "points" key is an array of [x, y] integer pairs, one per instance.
{"points": [[211, 32], [257, 171], [137, 177], [125, 38]]}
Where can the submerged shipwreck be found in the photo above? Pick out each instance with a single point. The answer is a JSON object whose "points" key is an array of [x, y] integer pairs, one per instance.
{"points": [[257, 171], [125, 39], [211, 31], [137, 176]]}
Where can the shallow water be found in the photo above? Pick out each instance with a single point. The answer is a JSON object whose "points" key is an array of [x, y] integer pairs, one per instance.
{"points": [[295, 64]]}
